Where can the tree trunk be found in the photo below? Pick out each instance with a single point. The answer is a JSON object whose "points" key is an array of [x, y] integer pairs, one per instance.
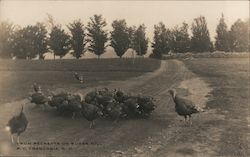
{"points": [[54, 56]]}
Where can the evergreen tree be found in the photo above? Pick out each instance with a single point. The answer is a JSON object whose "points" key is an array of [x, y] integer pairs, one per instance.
{"points": [[180, 42], [97, 36], [200, 41], [140, 42], [161, 39], [77, 38], [120, 37], [222, 37]]}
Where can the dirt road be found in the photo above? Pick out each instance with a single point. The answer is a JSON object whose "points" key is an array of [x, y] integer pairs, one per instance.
{"points": [[163, 134]]}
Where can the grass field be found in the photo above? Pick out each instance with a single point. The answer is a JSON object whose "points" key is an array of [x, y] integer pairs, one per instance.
{"points": [[17, 76], [223, 130], [230, 98]]}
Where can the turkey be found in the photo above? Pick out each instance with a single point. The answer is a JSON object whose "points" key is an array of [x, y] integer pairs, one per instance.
{"points": [[66, 104], [37, 88], [74, 105], [131, 107], [17, 125], [184, 107], [120, 96], [39, 99], [78, 77], [106, 92], [114, 110], [102, 103], [57, 99], [91, 96], [90, 112], [146, 105]]}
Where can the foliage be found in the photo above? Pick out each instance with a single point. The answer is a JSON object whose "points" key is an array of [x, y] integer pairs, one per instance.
{"points": [[77, 39], [131, 32], [200, 41], [30, 42], [6, 35], [222, 37], [97, 36], [59, 42], [161, 39], [239, 38], [40, 40], [120, 37], [180, 42], [140, 42]]}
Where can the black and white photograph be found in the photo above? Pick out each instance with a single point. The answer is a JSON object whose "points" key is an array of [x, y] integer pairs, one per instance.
{"points": [[125, 78]]}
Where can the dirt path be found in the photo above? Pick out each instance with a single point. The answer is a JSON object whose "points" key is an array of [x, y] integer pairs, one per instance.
{"points": [[163, 134]]}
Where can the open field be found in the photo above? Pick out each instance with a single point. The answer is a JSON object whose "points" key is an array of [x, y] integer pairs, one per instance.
{"points": [[17, 76], [220, 85], [230, 99]]}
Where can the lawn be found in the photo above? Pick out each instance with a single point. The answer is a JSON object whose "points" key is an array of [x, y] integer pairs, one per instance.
{"points": [[17, 76]]}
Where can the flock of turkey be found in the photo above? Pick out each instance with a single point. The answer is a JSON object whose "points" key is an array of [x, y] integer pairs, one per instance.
{"points": [[102, 103], [113, 104]]}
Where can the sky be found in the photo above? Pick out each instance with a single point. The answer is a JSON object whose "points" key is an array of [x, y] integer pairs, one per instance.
{"points": [[171, 13]]}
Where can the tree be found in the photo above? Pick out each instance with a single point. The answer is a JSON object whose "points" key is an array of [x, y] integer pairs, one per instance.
{"points": [[97, 36], [59, 42], [19, 44], [77, 39], [120, 37], [6, 37], [161, 39], [238, 35], [131, 32], [222, 37], [30, 42], [140, 42], [200, 41], [180, 41], [40, 40]]}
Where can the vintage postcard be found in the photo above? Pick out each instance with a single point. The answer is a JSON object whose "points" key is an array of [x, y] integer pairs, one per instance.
{"points": [[143, 78]]}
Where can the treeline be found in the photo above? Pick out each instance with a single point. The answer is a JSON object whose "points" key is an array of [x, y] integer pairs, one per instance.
{"points": [[35, 40]]}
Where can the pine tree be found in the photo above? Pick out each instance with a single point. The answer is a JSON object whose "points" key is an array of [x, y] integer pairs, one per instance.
{"points": [[97, 36], [140, 41], [200, 41], [180, 42], [161, 39], [222, 37]]}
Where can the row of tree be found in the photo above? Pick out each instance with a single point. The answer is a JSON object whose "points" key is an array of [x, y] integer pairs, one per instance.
{"points": [[177, 40], [36, 40]]}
